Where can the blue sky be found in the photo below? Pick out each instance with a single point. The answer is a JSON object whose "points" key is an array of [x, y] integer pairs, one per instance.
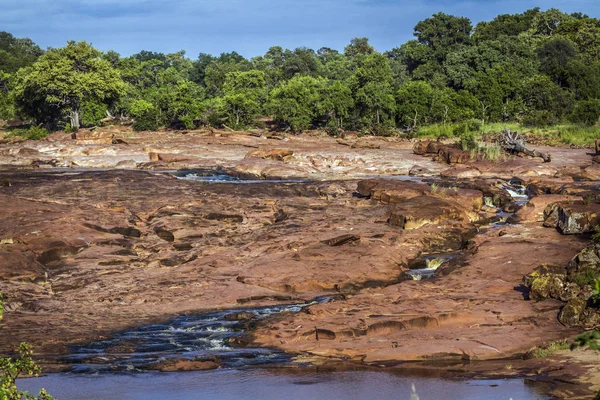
{"points": [[249, 27]]}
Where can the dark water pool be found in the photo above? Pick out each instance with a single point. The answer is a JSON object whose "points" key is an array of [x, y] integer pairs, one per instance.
{"points": [[271, 384]]}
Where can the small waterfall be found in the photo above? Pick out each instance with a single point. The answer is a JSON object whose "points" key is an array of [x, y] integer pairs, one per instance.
{"points": [[431, 265], [488, 201]]}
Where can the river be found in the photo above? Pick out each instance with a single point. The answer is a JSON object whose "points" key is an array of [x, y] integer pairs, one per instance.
{"points": [[266, 384]]}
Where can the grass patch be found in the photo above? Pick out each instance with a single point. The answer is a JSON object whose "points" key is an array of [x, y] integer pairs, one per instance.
{"points": [[569, 134], [550, 348]]}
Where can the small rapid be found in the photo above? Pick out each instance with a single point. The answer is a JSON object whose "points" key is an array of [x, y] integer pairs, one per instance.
{"points": [[191, 337], [218, 176]]}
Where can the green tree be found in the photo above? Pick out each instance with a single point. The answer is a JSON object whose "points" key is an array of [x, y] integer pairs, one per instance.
{"points": [[301, 61], [442, 32], [176, 99], [17, 53], [336, 103], [63, 79], [505, 25], [297, 102], [546, 23], [244, 95], [555, 56], [198, 71], [544, 102], [358, 47], [145, 115], [583, 78], [584, 33], [372, 88], [216, 72]]}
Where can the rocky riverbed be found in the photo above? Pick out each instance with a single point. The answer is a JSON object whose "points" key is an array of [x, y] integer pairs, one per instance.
{"points": [[100, 234]]}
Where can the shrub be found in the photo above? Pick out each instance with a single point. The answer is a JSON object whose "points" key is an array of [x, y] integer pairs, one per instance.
{"points": [[586, 112], [145, 115], [468, 142], [12, 368], [32, 133]]}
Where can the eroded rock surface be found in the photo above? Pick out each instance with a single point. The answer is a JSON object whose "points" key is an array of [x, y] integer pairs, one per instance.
{"points": [[84, 254]]}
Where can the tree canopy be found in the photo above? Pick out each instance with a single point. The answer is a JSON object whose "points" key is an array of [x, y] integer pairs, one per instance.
{"points": [[537, 67]]}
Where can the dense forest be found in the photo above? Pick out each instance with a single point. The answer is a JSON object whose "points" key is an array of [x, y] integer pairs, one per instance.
{"points": [[536, 68]]}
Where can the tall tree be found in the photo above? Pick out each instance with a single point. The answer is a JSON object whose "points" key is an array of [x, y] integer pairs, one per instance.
{"points": [[245, 94], [62, 79], [372, 87]]}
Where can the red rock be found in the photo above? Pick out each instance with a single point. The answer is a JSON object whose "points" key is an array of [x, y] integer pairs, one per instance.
{"points": [[533, 211], [572, 218], [270, 154], [416, 212], [420, 148]]}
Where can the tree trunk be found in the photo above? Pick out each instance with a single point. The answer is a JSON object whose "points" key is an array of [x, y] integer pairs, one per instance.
{"points": [[513, 142], [74, 117]]}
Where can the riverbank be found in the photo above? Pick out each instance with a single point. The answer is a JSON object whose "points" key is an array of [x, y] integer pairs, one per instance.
{"points": [[87, 253]]}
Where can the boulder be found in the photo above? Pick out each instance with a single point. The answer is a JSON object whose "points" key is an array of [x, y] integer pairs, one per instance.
{"points": [[342, 240], [424, 210], [389, 191], [93, 137], [434, 147], [572, 312], [533, 211], [168, 158], [418, 170], [270, 154], [461, 173], [572, 218], [240, 316], [420, 148], [547, 282]]}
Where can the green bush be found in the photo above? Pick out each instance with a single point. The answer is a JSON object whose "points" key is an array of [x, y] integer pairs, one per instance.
{"points": [[145, 115], [586, 112], [92, 113], [468, 142], [12, 368], [33, 133]]}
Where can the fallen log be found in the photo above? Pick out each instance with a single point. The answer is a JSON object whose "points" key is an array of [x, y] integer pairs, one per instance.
{"points": [[514, 142]]}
